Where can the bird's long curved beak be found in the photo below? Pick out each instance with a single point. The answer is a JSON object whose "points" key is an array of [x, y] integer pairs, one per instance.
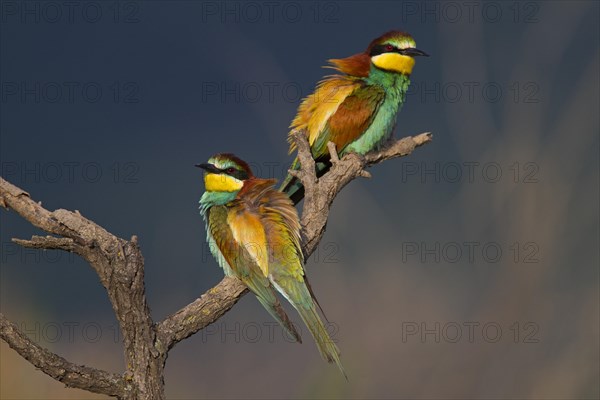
{"points": [[208, 167], [411, 51]]}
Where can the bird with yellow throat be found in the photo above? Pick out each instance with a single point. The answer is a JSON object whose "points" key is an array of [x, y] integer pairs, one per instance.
{"points": [[253, 231], [357, 109]]}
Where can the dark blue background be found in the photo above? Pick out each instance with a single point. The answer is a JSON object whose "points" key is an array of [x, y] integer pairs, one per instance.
{"points": [[506, 83]]}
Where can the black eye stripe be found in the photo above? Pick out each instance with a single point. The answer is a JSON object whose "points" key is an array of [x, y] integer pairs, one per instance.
{"points": [[382, 48], [236, 173]]}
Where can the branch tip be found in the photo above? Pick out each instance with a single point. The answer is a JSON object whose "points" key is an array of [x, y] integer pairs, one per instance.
{"points": [[365, 174]]}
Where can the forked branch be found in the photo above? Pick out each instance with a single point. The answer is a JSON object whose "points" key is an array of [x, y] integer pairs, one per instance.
{"points": [[119, 265]]}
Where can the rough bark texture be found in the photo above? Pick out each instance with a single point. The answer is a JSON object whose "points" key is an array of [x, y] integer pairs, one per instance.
{"points": [[77, 376], [120, 267]]}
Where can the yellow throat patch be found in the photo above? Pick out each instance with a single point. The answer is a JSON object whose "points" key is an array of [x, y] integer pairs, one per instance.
{"points": [[394, 62], [221, 183]]}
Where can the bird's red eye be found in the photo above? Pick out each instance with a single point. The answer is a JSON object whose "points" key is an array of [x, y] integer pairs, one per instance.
{"points": [[389, 47], [230, 170]]}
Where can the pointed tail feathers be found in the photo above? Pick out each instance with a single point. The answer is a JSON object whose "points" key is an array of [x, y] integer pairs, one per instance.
{"points": [[328, 349], [277, 312]]}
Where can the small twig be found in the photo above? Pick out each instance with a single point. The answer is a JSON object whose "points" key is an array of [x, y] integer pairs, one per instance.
{"points": [[399, 148], [364, 174], [46, 242]]}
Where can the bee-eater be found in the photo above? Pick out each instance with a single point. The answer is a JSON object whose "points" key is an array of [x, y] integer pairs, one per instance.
{"points": [[253, 231], [356, 110]]}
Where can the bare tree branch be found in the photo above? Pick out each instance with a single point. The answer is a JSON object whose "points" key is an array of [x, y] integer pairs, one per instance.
{"points": [[202, 312], [72, 375], [120, 266], [318, 197], [320, 193]]}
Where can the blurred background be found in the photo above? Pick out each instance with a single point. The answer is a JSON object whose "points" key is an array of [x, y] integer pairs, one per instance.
{"points": [[466, 270]]}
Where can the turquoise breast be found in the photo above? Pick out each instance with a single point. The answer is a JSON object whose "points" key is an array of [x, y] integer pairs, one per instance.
{"points": [[382, 127]]}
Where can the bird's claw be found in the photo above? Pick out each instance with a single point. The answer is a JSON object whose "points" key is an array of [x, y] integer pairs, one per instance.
{"points": [[333, 154]]}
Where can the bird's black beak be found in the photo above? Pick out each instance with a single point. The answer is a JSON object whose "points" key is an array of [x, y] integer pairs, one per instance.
{"points": [[208, 167], [414, 52]]}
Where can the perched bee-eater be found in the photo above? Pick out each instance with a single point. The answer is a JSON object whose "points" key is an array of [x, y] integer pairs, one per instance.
{"points": [[357, 110], [254, 233]]}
